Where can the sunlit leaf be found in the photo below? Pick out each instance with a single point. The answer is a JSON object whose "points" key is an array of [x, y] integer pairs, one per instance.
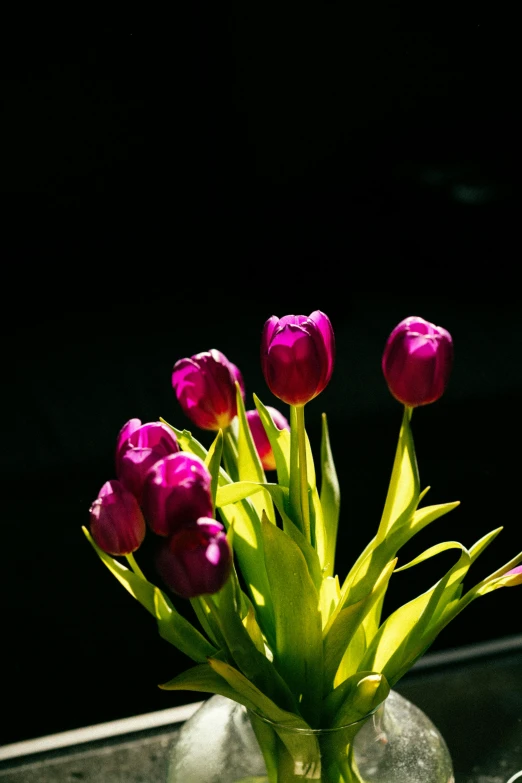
{"points": [[301, 744], [403, 490], [330, 498], [338, 634], [279, 441], [213, 463], [249, 463], [173, 627], [298, 651]]}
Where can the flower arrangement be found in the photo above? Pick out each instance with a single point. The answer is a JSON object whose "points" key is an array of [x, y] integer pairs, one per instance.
{"points": [[274, 626]]}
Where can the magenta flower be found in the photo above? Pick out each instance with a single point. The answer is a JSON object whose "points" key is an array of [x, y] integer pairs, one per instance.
{"points": [[205, 388], [417, 361], [122, 440], [297, 356], [116, 521], [196, 560], [264, 449], [176, 493], [144, 446]]}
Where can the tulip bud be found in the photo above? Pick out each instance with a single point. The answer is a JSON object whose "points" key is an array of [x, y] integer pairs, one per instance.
{"points": [[417, 361], [196, 559], [140, 451], [297, 356], [116, 521], [264, 449], [176, 493], [122, 440], [205, 388]]}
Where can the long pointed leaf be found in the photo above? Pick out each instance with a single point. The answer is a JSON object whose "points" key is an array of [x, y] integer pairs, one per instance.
{"points": [[403, 490], [330, 498], [213, 463], [253, 663], [298, 651], [279, 441], [173, 627], [249, 463]]}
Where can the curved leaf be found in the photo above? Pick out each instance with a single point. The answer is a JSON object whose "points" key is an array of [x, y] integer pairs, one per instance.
{"points": [[173, 627]]}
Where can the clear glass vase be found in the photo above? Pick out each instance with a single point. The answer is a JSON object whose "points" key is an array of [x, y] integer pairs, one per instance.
{"points": [[222, 743]]}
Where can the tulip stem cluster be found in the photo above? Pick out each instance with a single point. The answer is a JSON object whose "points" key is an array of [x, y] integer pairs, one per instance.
{"points": [[277, 631]]}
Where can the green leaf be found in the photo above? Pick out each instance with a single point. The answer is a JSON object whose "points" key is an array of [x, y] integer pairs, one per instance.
{"points": [[202, 613], [339, 634], [279, 441], [249, 548], [424, 516], [431, 552], [186, 441], [351, 703], [407, 633], [249, 463], [178, 631], [329, 595], [300, 744], [252, 663], [298, 650], [253, 630], [213, 463], [403, 491], [495, 580], [279, 496], [353, 654], [483, 543], [238, 490], [355, 697], [260, 701], [317, 522], [330, 498], [204, 678], [232, 493], [172, 626]]}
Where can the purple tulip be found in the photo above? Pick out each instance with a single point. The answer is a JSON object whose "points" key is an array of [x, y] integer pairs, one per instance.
{"points": [[196, 560], [205, 388], [264, 449], [137, 454], [123, 436], [176, 493], [417, 361], [297, 356], [116, 521]]}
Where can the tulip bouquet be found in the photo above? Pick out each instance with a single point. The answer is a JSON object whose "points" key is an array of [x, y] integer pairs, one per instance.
{"points": [[274, 627]]}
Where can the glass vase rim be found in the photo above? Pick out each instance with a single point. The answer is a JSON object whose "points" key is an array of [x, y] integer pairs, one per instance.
{"points": [[326, 730]]}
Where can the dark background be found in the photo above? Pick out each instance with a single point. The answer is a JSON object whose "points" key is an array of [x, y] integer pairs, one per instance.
{"points": [[165, 188]]}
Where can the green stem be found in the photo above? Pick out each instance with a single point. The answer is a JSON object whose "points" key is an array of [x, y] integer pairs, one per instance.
{"points": [[303, 473], [294, 488], [135, 567]]}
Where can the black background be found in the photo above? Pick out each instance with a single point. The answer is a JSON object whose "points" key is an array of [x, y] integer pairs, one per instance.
{"points": [[168, 185]]}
